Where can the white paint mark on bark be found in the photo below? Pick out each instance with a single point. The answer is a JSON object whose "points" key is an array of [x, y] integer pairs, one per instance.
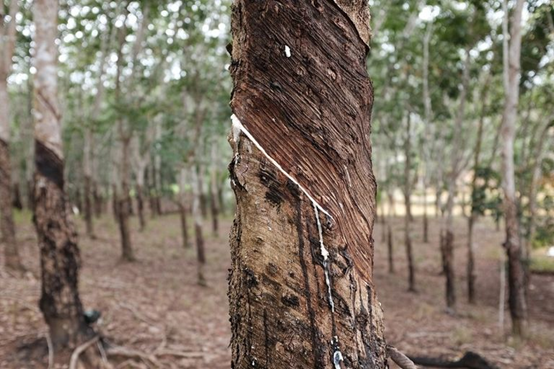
{"points": [[287, 51]]}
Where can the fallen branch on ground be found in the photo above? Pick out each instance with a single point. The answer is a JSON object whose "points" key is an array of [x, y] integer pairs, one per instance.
{"points": [[470, 360], [399, 358]]}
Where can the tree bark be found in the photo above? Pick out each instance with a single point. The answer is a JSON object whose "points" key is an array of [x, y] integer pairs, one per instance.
{"points": [[7, 225], [455, 170], [471, 275], [408, 205], [390, 249], [301, 291], [512, 67], [59, 253], [87, 172], [214, 203], [198, 233]]}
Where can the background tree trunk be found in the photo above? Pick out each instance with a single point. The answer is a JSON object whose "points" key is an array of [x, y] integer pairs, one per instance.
{"points": [[7, 225], [408, 205], [301, 292], [59, 253], [214, 203], [512, 66], [198, 233]]}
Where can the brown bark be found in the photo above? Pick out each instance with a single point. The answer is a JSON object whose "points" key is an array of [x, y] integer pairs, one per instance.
{"points": [[59, 254], [198, 233], [98, 200], [184, 225], [214, 200], [140, 207], [390, 248], [88, 207], [17, 203], [408, 205], [7, 225], [301, 292]]}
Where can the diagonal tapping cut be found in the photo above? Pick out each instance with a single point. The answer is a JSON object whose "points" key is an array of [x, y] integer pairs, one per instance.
{"points": [[237, 128]]}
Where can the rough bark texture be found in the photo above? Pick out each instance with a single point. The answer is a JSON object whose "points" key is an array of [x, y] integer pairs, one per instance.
{"points": [[301, 90], [7, 225], [59, 254], [516, 273]]}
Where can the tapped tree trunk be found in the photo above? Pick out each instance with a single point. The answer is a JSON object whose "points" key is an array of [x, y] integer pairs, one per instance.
{"points": [[57, 239], [301, 291], [512, 66], [7, 225]]}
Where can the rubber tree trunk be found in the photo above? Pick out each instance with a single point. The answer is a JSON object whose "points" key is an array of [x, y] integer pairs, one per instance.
{"points": [[408, 206], [183, 208], [390, 247], [214, 203], [87, 171], [300, 290], [7, 225], [140, 207], [124, 206], [198, 220], [59, 254], [512, 66]]}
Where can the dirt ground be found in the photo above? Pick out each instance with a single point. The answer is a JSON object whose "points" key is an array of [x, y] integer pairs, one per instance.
{"points": [[156, 306]]}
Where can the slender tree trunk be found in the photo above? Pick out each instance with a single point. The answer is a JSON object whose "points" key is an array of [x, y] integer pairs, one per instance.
{"points": [[123, 207], [7, 225], [87, 171], [301, 291], [97, 200], [16, 196], [455, 169], [59, 254], [183, 207], [471, 275], [203, 199], [512, 67], [408, 206], [199, 237], [536, 171], [140, 207], [213, 191], [390, 249]]}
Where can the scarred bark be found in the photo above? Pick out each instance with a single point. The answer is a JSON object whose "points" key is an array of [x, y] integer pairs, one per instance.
{"points": [[301, 90], [7, 225], [59, 255]]}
